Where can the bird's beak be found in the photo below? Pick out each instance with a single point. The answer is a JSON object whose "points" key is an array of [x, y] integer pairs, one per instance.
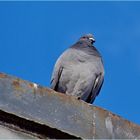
{"points": [[92, 39]]}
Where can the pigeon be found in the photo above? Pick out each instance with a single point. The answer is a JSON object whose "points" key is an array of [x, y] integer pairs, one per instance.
{"points": [[79, 71]]}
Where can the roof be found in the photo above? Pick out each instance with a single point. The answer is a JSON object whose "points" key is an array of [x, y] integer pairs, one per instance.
{"points": [[30, 110]]}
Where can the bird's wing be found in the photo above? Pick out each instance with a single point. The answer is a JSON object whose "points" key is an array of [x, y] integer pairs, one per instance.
{"points": [[96, 88], [59, 67], [56, 75]]}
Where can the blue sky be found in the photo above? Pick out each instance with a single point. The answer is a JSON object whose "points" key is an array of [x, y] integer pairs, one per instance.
{"points": [[34, 34]]}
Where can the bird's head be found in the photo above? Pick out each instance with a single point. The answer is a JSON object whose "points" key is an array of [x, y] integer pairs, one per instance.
{"points": [[88, 37]]}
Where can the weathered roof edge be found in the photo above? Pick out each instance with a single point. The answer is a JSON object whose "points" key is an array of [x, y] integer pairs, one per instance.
{"points": [[49, 114]]}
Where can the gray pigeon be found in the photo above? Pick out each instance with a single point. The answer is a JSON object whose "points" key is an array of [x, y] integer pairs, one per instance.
{"points": [[79, 70]]}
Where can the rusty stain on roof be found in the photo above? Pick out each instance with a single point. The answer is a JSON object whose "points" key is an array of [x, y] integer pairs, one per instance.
{"points": [[2, 75]]}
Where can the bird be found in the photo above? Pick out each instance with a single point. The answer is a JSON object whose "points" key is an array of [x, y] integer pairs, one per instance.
{"points": [[79, 71]]}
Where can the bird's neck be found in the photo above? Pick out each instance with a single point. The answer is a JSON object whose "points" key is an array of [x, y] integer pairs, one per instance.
{"points": [[86, 47], [84, 44]]}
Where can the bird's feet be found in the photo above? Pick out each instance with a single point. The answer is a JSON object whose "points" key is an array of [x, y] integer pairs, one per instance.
{"points": [[78, 98]]}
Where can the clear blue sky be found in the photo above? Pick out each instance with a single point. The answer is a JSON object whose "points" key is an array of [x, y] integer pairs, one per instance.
{"points": [[34, 34]]}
